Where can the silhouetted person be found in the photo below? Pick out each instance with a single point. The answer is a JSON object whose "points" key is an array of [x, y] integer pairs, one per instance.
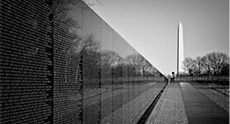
{"points": [[172, 79]]}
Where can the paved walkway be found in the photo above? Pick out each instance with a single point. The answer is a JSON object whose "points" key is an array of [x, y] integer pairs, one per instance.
{"points": [[217, 97], [200, 109], [181, 103]]}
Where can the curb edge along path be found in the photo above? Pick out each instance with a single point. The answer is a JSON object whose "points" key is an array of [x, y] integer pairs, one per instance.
{"points": [[170, 108]]}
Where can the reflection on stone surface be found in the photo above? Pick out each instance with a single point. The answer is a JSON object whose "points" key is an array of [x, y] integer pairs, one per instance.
{"points": [[61, 63]]}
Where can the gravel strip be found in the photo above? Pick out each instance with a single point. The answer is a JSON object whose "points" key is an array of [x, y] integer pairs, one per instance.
{"points": [[170, 109]]}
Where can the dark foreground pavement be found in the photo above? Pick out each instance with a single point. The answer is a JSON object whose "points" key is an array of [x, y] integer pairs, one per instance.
{"points": [[183, 103], [200, 109]]}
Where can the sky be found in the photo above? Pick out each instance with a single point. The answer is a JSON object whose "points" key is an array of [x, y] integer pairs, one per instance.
{"points": [[150, 26]]}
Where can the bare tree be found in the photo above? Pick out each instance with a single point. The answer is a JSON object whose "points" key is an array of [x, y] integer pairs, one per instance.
{"points": [[110, 58], [225, 70], [214, 63], [190, 65], [134, 61], [139, 63], [199, 65], [109, 61], [205, 64], [217, 61]]}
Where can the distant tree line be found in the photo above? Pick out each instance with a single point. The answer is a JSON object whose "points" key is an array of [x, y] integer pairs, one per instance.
{"points": [[215, 64], [133, 65]]}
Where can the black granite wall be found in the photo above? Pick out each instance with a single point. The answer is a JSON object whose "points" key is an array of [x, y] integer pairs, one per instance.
{"points": [[61, 63]]}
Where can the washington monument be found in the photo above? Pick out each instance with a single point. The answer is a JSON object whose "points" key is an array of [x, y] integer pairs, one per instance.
{"points": [[180, 49]]}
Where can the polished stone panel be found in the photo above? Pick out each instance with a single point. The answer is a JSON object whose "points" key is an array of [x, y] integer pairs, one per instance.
{"points": [[61, 63]]}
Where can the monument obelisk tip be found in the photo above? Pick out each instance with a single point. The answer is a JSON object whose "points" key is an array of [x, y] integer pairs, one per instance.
{"points": [[180, 25]]}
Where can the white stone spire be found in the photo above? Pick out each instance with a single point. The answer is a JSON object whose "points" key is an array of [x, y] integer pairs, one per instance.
{"points": [[180, 25], [180, 49]]}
